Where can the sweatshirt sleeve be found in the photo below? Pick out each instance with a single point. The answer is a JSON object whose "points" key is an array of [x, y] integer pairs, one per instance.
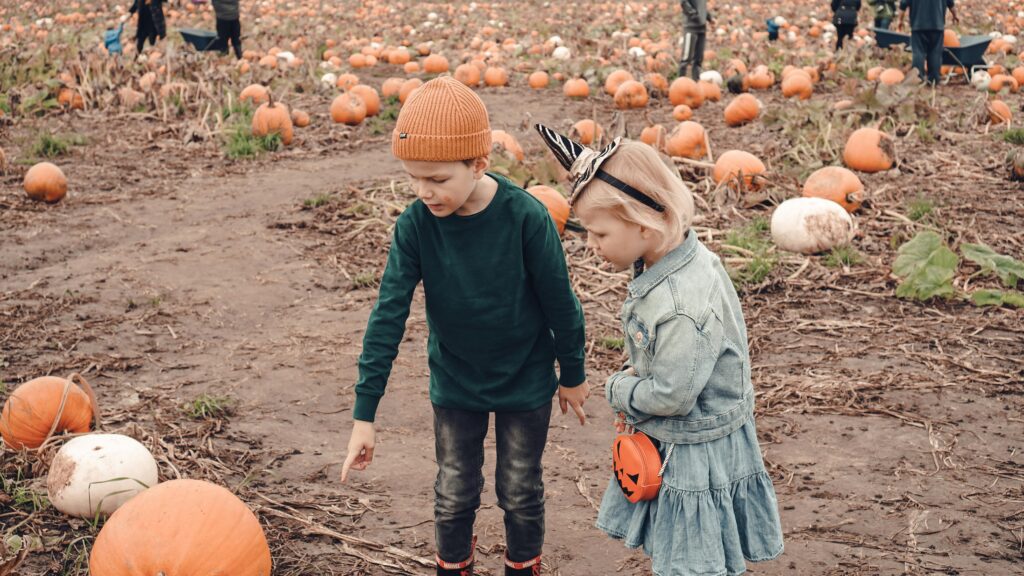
{"points": [[386, 326], [549, 275], [684, 359]]}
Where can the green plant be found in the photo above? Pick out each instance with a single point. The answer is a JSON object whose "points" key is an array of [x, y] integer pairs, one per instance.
{"points": [[843, 256], [926, 267], [613, 343], [317, 201], [206, 407], [22, 496], [364, 280], [1009, 270], [1013, 136], [919, 207], [755, 252], [53, 145], [241, 143]]}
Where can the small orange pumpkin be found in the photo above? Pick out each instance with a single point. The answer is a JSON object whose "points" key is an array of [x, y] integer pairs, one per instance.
{"points": [[557, 205], [576, 88], [682, 113], [300, 118], [273, 118], [391, 87], [495, 76], [538, 80], [616, 79], [797, 84], [631, 94], [739, 166], [999, 112], [45, 182], [587, 132], [435, 64], [348, 108], [891, 76], [369, 97], [869, 150], [408, 87], [684, 90], [30, 411], [502, 139], [837, 184], [468, 74], [687, 140], [743, 108], [654, 136], [254, 94]]}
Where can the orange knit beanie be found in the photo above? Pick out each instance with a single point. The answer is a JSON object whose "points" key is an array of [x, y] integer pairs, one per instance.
{"points": [[442, 121]]}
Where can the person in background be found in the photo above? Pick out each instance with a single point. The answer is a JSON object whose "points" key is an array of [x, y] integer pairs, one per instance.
{"points": [[152, 25], [695, 27], [773, 27], [844, 16], [229, 26], [927, 27], [884, 12]]}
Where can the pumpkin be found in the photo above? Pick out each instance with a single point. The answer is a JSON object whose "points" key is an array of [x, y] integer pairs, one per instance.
{"points": [[711, 91], [391, 87], [737, 166], [837, 184], [557, 205], [408, 87], [761, 78], [682, 113], [631, 94], [587, 132], [97, 473], [254, 94], [869, 150], [874, 73], [273, 118], [369, 97], [797, 84], [468, 74], [891, 76], [1015, 164], [411, 67], [811, 225], [743, 109], [616, 79], [657, 83], [950, 39], [502, 139], [35, 407], [636, 462], [399, 57], [181, 527], [300, 118], [495, 76], [435, 64], [684, 90], [654, 136], [576, 88], [45, 182], [687, 140], [1000, 81], [348, 108], [737, 84], [999, 112], [70, 98], [538, 80]]}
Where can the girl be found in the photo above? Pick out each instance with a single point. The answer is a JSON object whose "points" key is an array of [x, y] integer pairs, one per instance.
{"points": [[152, 25], [687, 384]]}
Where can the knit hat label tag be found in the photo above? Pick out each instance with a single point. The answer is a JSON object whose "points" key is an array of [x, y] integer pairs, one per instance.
{"points": [[403, 135]]}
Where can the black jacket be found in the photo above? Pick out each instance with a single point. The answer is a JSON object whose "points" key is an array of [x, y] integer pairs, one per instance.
{"points": [[845, 12], [151, 18]]}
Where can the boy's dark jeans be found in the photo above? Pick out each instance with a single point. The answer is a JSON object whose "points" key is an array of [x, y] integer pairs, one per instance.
{"points": [[927, 48], [229, 30], [519, 486]]}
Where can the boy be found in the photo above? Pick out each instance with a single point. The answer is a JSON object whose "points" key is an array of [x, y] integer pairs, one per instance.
{"points": [[500, 311], [927, 26], [229, 27], [695, 26]]}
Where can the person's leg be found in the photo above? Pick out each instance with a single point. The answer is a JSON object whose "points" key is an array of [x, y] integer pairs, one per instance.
{"points": [[140, 43], [236, 38], [688, 50], [917, 45], [519, 485], [223, 33], [459, 448], [698, 55], [935, 56]]}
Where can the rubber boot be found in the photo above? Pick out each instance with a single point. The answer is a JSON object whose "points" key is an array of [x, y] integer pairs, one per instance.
{"points": [[528, 568], [464, 568]]}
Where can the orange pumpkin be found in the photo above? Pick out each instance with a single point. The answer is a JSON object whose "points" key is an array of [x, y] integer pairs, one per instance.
{"points": [[538, 80], [346, 81], [576, 88], [254, 94], [711, 91], [869, 150], [557, 205], [45, 182], [616, 79], [348, 108], [737, 166], [636, 463], [874, 73], [743, 109], [31, 410], [654, 136], [495, 76], [761, 78], [502, 139], [197, 517], [435, 64], [837, 184], [631, 94], [999, 112], [950, 39], [891, 76], [587, 132], [682, 113], [369, 97], [468, 74], [391, 87], [300, 118], [797, 84], [407, 88], [273, 118], [687, 140], [684, 90]]}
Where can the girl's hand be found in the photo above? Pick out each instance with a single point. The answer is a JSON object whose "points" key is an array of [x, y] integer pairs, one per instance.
{"points": [[620, 422], [360, 448]]}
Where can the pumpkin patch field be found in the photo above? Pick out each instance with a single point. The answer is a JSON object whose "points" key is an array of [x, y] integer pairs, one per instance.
{"points": [[191, 244]]}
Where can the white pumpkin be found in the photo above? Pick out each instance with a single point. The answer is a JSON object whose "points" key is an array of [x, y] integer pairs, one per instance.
{"points": [[99, 472], [711, 76], [561, 53], [811, 225], [981, 80]]}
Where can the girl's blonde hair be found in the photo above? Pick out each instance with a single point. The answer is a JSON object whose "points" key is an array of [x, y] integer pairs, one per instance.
{"points": [[639, 165]]}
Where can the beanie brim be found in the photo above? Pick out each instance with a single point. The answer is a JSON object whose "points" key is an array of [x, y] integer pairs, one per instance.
{"points": [[440, 148]]}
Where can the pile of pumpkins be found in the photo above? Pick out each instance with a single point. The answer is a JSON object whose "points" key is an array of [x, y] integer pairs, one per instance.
{"points": [[98, 475]]}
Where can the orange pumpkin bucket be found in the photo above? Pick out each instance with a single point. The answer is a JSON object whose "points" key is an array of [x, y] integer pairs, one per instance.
{"points": [[637, 466]]}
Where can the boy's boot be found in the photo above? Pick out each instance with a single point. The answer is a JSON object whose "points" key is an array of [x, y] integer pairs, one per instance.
{"points": [[463, 568], [528, 568]]}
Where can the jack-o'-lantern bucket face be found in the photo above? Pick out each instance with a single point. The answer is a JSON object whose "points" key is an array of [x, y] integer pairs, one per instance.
{"points": [[636, 463]]}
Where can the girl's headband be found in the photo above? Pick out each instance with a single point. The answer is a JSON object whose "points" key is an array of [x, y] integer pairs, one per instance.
{"points": [[584, 164]]}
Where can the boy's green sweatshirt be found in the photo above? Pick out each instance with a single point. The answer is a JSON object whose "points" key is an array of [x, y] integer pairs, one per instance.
{"points": [[500, 308]]}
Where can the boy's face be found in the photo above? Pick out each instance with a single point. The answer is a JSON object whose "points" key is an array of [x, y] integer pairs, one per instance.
{"points": [[444, 187], [619, 242]]}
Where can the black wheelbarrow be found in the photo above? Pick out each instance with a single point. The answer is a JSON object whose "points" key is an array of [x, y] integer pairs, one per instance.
{"points": [[969, 55], [203, 40]]}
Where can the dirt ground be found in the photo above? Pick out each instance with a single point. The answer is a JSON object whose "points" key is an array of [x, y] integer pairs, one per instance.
{"points": [[892, 429]]}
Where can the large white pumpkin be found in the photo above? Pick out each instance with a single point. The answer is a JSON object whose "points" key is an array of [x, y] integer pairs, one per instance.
{"points": [[811, 225], [99, 472]]}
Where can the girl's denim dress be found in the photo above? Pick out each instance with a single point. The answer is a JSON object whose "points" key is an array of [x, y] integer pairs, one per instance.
{"points": [[688, 385]]}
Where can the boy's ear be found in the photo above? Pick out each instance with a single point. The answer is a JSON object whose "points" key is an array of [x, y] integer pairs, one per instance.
{"points": [[480, 165]]}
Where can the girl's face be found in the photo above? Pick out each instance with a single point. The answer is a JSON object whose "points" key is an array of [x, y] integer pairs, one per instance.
{"points": [[445, 188], [619, 242]]}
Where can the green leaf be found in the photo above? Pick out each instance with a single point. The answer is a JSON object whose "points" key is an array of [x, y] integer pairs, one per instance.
{"points": [[998, 298], [926, 266], [1009, 270], [1014, 298]]}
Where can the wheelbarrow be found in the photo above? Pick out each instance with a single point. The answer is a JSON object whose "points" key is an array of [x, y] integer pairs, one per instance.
{"points": [[969, 55], [202, 40], [112, 40]]}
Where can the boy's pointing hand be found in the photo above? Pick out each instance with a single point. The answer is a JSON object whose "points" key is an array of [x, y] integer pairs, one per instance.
{"points": [[574, 397]]}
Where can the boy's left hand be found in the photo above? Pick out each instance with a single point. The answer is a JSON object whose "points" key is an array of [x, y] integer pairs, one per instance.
{"points": [[574, 397]]}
